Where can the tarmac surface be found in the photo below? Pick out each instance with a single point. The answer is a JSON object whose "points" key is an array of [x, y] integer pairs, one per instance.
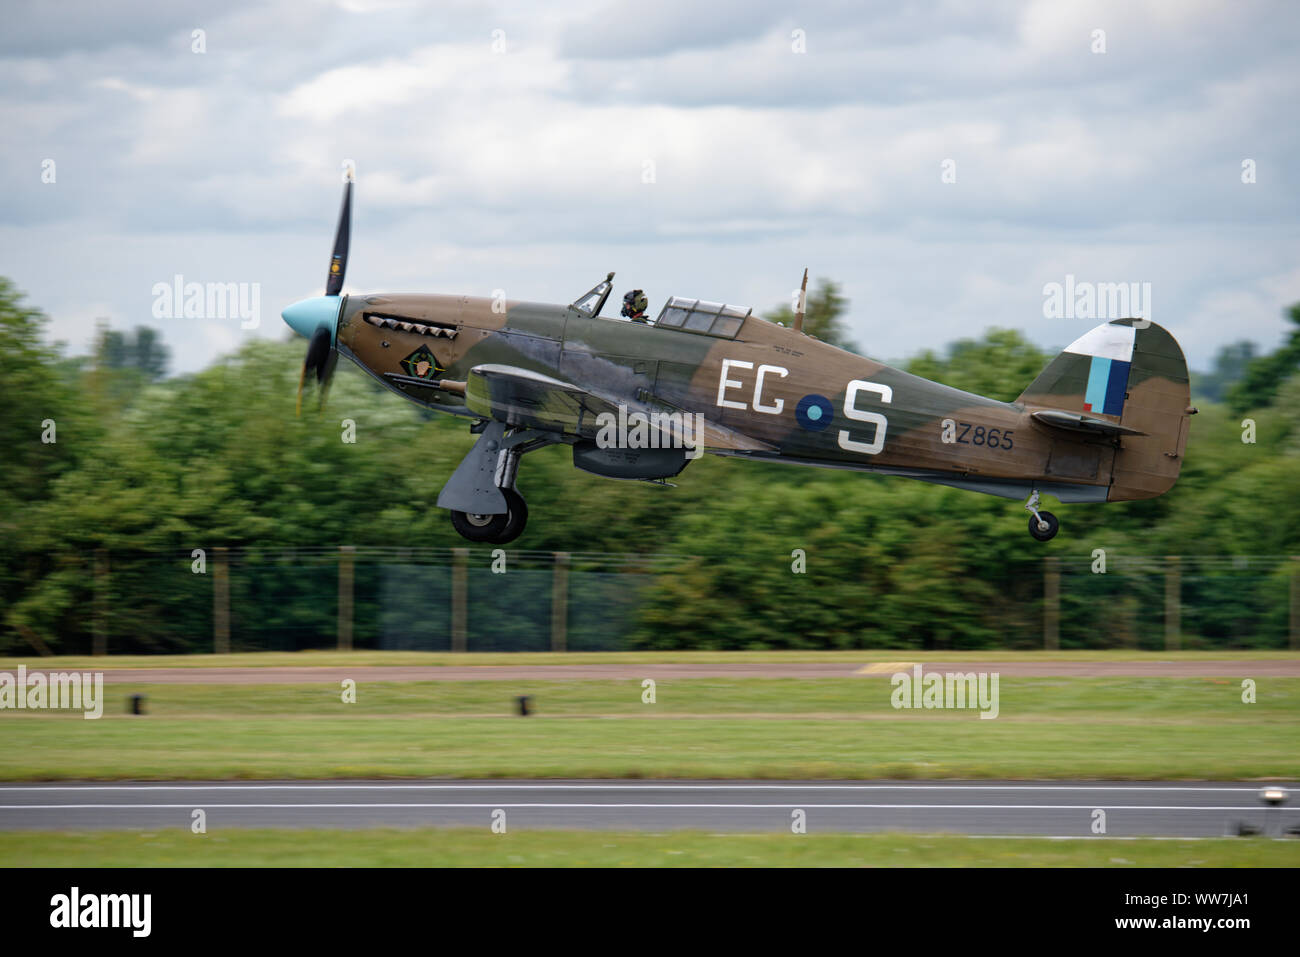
{"points": [[333, 675], [1057, 809]]}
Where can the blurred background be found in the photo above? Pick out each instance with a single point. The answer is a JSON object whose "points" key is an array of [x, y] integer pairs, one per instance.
{"points": [[196, 513]]}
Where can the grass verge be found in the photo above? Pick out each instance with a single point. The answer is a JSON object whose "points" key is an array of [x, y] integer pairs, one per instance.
{"points": [[1056, 728], [463, 847]]}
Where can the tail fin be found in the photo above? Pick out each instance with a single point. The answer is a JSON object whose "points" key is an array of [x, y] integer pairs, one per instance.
{"points": [[1131, 373]]}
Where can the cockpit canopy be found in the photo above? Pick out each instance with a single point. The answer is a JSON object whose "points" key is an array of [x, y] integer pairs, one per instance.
{"points": [[703, 317]]}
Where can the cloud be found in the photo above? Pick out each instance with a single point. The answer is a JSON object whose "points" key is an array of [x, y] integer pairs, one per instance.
{"points": [[687, 146], [35, 28]]}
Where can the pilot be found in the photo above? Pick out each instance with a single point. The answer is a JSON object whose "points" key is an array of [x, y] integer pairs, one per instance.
{"points": [[634, 305]]}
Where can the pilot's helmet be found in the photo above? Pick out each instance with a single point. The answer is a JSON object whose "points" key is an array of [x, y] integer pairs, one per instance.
{"points": [[634, 303]]}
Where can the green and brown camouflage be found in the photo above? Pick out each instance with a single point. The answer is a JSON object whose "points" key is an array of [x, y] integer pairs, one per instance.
{"points": [[930, 431], [1107, 420]]}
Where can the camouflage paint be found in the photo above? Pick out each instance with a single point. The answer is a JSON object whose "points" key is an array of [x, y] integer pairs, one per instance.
{"points": [[608, 362]]}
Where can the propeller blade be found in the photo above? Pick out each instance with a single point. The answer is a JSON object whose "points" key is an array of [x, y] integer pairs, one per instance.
{"points": [[301, 376], [342, 236], [324, 376], [320, 359], [318, 318], [318, 350]]}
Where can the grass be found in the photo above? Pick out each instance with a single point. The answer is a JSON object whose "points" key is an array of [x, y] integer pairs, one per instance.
{"points": [[300, 659], [1058, 728], [464, 847], [1174, 700]]}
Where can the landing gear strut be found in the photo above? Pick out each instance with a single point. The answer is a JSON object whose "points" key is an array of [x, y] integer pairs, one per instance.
{"points": [[1042, 525]]}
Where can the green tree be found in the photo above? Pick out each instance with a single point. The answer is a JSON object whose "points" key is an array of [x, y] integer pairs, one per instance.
{"points": [[1230, 365], [142, 350], [44, 430], [1000, 364], [1265, 374], [31, 393]]}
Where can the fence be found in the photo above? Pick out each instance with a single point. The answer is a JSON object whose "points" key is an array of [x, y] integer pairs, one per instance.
{"points": [[458, 599], [482, 599], [1173, 602]]}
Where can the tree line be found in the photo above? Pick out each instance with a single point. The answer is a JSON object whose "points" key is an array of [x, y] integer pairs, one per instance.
{"points": [[107, 459]]}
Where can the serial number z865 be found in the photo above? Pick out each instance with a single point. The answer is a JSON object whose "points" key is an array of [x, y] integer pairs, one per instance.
{"points": [[969, 433]]}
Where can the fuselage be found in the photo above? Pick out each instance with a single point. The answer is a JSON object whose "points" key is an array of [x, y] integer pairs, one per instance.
{"points": [[806, 401]]}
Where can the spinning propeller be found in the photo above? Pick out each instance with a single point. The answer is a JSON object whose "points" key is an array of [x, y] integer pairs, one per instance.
{"points": [[317, 319]]}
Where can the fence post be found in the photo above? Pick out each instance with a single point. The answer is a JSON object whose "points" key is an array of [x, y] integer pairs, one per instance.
{"points": [[99, 638], [560, 602], [346, 556], [459, 598], [1051, 603], [220, 602], [1295, 602], [1173, 602]]}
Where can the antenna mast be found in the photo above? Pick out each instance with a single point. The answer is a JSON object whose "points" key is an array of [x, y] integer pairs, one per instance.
{"points": [[803, 302]]}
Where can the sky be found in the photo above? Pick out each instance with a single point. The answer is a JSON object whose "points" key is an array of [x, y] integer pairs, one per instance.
{"points": [[945, 162]]}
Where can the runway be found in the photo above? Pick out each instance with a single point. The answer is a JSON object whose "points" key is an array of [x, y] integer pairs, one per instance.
{"points": [[1024, 808]]}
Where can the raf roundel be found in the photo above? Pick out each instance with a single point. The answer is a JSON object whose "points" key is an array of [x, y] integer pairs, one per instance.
{"points": [[814, 412]]}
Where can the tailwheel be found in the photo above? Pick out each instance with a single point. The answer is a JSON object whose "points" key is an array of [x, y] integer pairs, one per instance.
{"points": [[1043, 526]]}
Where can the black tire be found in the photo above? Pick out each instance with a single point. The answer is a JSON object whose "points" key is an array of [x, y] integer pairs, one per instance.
{"points": [[1052, 527], [479, 528], [517, 520]]}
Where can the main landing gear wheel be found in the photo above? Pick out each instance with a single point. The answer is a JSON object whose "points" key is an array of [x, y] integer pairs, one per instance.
{"points": [[517, 517], [479, 528], [1043, 526], [497, 529]]}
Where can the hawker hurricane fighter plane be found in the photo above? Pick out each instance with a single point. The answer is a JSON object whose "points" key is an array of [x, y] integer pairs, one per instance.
{"points": [[1106, 421]]}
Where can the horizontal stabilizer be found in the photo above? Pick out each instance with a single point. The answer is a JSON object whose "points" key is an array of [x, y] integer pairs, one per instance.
{"points": [[1077, 422]]}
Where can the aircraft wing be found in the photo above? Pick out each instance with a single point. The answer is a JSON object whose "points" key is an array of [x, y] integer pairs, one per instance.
{"points": [[522, 398]]}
